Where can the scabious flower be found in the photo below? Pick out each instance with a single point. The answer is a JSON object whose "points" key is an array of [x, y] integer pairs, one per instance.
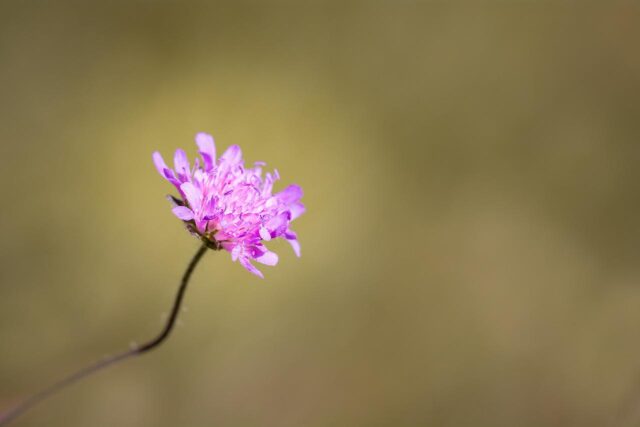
{"points": [[232, 207]]}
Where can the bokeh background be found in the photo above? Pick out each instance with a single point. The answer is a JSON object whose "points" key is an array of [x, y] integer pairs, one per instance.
{"points": [[470, 249]]}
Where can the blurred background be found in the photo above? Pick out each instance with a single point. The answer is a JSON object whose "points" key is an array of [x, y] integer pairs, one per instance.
{"points": [[471, 243]]}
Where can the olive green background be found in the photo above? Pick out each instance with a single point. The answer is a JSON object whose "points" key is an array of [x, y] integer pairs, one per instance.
{"points": [[470, 251]]}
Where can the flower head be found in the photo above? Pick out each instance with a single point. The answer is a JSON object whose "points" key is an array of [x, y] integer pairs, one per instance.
{"points": [[232, 207]]}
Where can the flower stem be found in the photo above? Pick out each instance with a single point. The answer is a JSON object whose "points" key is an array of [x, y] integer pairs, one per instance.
{"points": [[30, 402]]}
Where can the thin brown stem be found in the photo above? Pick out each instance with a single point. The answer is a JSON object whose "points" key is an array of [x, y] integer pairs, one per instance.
{"points": [[30, 402]]}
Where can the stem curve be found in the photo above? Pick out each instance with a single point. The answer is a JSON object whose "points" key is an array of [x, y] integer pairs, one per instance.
{"points": [[95, 367]]}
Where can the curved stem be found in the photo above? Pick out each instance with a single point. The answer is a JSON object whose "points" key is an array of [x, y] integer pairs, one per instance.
{"points": [[112, 360]]}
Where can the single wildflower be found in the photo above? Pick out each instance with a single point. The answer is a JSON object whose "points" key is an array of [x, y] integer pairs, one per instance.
{"points": [[230, 206]]}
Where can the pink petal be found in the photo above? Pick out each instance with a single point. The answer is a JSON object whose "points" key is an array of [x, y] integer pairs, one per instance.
{"points": [[291, 194], [162, 168], [268, 258], [267, 185], [295, 246], [227, 246], [246, 264], [158, 161], [232, 155], [264, 233], [222, 235], [181, 162], [183, 213], [207, 149], [292, 238], [193, 194], [278, 224], [296, 210], [171, 176], [235, 252]]}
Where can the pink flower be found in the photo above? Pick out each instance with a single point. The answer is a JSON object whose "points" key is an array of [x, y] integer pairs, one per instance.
{"points": [[232, 207]]}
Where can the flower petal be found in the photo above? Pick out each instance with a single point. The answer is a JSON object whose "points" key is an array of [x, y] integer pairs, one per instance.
{"points": [[183, 213], [291, 194], [170, 176], [193, 194], [292, 238], [181, 162], [162, 168], [295, 246], [264, 233], [268, 258], [232, 155], [158, 161], [278, 224], [207, 149], [296, 210], [247, 264]]}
